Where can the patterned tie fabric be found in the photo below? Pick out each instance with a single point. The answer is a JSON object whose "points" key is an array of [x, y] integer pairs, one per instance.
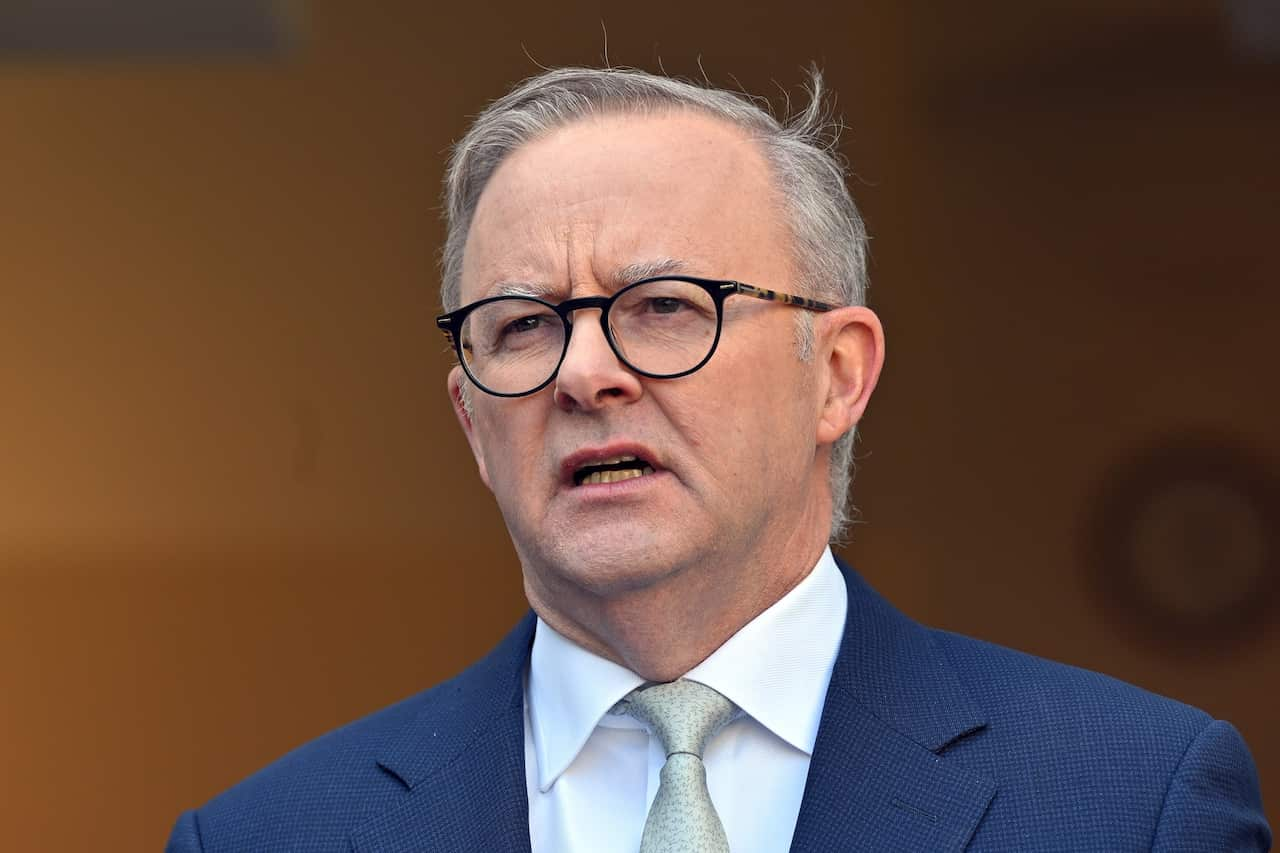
{"points": [[684, 715]]}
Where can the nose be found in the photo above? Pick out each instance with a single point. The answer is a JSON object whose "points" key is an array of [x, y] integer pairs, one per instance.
{"points": [[591, 377]]}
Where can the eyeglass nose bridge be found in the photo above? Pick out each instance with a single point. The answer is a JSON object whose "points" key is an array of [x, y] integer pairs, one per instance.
{"points": [[565, 310]]}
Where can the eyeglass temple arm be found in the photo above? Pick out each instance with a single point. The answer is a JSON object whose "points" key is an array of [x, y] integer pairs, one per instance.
{"points": [[775, 296], [445, 324]]}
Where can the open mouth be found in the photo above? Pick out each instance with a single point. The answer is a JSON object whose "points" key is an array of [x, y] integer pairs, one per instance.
{"points": [[612, 470]]}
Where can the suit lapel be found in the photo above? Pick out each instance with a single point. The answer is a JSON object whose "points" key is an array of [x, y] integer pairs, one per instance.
{"points": [[462, 761], [878, 780]]}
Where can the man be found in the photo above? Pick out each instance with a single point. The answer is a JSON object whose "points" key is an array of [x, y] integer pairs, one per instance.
{"points": [[655, 292]]}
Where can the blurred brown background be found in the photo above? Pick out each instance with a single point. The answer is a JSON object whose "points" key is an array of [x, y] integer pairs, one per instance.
{"points": [[235, 510]]}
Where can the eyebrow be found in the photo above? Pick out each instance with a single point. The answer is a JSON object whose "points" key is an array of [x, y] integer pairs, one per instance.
{"points": [[522, 288], [620, 278], [631, 273]]}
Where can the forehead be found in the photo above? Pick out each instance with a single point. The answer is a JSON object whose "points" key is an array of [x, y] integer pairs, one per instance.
{"points": [[572, 208]]}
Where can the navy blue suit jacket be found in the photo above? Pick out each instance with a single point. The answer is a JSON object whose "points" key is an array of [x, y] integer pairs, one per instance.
{"points": [[929, 743]]}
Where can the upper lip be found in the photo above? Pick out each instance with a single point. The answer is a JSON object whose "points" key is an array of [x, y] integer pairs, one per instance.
{"points": [[596, 455]]}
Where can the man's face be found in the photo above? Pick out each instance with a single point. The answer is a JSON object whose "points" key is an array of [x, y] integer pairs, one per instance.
{"points": [[585, 211]]}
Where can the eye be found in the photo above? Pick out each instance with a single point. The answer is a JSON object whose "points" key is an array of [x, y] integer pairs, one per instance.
{"points": [[666, 304], [525, 324]]}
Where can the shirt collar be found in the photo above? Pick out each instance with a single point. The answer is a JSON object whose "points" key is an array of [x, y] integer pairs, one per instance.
{"points": [[776, 669]]}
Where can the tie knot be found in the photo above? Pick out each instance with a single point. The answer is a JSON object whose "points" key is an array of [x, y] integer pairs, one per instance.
{"points": [[683, 714]]}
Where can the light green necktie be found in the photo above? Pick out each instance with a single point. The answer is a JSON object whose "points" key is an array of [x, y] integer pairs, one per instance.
{"points": [[684, 715]]}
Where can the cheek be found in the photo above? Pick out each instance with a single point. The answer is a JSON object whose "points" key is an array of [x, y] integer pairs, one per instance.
{"points": [[507, 437], [728, 426], [766, 417]]}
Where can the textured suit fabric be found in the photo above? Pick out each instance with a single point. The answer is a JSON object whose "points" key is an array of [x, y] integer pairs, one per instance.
{"points": [[929, 741]]}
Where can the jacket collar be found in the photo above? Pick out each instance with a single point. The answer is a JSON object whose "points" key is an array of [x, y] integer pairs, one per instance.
{"points": [[877, 781], [471, 735], [893, 667], [877, 778]]}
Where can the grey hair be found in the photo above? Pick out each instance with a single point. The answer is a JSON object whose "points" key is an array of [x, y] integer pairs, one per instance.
{"points": [[829, 251]]}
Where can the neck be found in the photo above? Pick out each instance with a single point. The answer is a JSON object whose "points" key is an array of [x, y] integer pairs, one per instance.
{"points": [[663, 630]]}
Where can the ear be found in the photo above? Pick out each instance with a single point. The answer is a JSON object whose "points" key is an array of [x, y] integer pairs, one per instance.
{"points": [[850, 343], [464, 420]]}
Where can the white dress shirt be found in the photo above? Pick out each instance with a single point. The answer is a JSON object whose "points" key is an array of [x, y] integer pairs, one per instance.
{"points": [[592, 775]]}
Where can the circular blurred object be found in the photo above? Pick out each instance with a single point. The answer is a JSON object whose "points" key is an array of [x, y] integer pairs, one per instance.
{"points": [[1186, 535]]}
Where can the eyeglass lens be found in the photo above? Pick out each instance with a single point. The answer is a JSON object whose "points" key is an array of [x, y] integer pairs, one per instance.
{"points": [[660, 328]]}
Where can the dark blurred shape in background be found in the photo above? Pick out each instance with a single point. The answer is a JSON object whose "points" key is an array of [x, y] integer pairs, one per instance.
{"points": [[1255, 29], [141, 29]]}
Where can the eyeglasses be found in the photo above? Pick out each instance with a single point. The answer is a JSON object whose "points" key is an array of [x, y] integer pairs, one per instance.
{"points": [[661, 328]]}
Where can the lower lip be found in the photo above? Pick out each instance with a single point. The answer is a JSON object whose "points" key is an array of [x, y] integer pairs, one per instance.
{"points": [[619, 489]]}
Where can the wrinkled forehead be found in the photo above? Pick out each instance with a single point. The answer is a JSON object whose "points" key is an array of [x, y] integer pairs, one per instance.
{"points": [[617, 191]]}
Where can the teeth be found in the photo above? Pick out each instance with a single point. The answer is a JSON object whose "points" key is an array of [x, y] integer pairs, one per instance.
{"points": [[613, 460], [597, 477]]}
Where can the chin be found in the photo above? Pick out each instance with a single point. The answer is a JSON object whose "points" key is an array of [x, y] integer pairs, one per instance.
{"points": [[615, 560]]}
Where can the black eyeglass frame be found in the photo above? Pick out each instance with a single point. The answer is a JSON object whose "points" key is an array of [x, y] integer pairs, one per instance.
{"points": [[719, 291]]}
